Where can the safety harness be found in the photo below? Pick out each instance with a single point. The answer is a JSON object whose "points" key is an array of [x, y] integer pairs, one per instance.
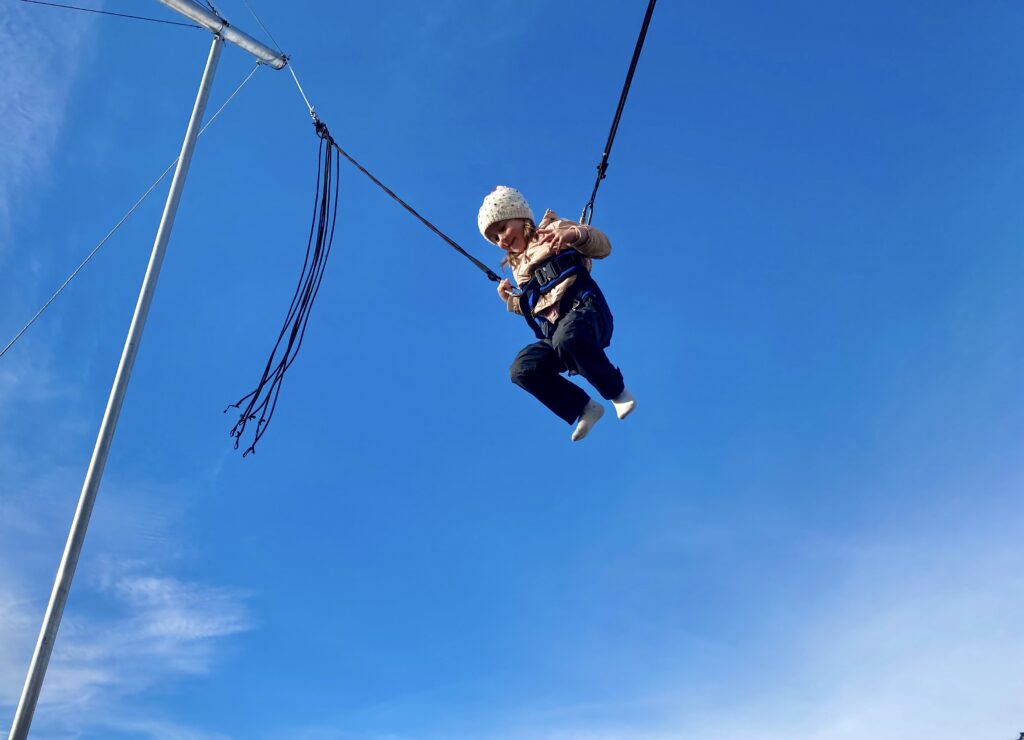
{"points": [[550, 273]]}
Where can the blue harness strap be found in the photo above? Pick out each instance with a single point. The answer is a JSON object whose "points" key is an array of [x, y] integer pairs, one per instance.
{"points": [[545, 277]]}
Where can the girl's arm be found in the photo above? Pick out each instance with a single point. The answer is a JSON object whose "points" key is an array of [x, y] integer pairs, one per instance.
{"points": [[591, 242], [563, 234]]}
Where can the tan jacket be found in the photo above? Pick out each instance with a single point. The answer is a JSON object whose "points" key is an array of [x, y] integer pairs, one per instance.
{"points": [[594, 245]]}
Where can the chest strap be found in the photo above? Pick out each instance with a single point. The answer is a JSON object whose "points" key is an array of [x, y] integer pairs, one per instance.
{"points": [[555, 269]]}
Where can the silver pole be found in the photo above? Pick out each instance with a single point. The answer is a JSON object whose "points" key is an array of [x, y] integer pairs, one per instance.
{"points": [[73, 548], [229, 33]]}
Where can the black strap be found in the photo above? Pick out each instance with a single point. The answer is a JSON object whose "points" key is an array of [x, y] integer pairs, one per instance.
{"points": [[602, 167], [550, 270], [261, 402], [321, 129]]}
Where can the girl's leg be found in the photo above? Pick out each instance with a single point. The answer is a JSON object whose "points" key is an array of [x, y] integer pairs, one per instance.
{"points": [[578, 341], [536, 369]]}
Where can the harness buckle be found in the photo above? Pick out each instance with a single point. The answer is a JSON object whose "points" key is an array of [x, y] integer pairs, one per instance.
{"points": [[556, 265]]}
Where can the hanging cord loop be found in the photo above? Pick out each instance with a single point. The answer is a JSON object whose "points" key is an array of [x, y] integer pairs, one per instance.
{"points": [[261, 402], [602, 166]]}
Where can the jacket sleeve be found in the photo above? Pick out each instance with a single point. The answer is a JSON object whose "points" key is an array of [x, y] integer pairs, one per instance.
{"points": [[594, 244], [513, 305]]}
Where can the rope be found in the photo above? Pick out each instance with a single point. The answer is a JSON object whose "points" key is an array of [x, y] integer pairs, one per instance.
{"points": [[262, 400], [123, 219], [265, 29], [312, 113], [107, 12], [602, 167], [325, 135], [321, 129], [213, 9], [291, 65]]}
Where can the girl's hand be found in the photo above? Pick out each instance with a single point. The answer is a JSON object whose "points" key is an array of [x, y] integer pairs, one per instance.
{"points": [[505, 290], [560, 238]]}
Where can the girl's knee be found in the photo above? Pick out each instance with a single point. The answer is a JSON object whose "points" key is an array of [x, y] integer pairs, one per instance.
{"points": [[532, 361], [521, 371]]}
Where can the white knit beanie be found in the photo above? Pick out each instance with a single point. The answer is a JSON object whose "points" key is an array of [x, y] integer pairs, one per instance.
{"points": [[500, 205]]}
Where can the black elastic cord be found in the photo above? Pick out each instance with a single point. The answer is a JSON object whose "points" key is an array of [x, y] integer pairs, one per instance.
{"points": [[107, 12], [322, 130], [262, 400], [602, 167]]}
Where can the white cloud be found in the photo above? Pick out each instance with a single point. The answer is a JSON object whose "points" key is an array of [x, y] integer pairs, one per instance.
{"points": [[42, 55], [152, 628], [925, 643], [131, 625], [175, 620], [917, 635]]}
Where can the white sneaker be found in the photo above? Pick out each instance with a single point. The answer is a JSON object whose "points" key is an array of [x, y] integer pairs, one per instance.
{"points": [[592, 413], [624, 403]]}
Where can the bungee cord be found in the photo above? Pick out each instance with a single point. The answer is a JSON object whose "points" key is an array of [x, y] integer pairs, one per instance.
{"points": [[451, 242], [261, 402], [324, 134], [602, 166]]}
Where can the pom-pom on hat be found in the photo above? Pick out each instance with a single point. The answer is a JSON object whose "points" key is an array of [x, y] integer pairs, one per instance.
{"points": [[502, 204]]}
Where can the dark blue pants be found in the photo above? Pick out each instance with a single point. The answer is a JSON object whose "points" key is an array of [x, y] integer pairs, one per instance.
{"points": [[575, 344]]}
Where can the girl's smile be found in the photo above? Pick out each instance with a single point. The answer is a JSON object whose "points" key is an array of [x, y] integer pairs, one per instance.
{"points": [[509, 234]]}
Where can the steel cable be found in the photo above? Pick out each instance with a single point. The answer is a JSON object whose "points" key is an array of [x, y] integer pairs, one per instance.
{"points": [[123, 219]]}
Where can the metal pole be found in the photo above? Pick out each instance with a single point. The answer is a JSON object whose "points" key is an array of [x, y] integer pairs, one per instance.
{"points": [[229, 33], [73, 548]]}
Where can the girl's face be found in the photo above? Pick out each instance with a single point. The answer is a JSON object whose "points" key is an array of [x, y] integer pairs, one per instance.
{"points": [[509, 234]]}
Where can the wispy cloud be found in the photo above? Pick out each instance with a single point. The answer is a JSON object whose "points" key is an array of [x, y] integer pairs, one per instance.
{"points": [[172, 620], [42, 57], [923, 639], [915, 633], [133, 624], [166, 626], [150, 629]]}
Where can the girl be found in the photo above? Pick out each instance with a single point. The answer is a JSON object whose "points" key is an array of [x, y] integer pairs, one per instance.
{"points": [[561, 303]]}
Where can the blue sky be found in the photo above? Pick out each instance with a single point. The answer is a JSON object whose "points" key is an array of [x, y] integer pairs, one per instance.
{"points": [[810, 528]]}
